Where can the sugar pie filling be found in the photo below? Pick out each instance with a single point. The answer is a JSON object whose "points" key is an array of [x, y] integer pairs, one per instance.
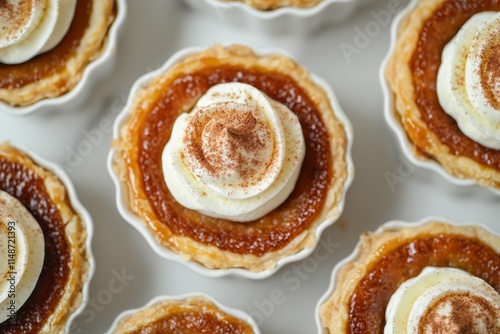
{"points": [[24, 191], [279, 226]]}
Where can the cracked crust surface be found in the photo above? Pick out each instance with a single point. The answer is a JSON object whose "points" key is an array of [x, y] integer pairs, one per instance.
{"points": [[76, 235], [400, 77], [56, 84], [210, 256]]}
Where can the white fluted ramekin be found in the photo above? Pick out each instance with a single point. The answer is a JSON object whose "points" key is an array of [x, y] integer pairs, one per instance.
{"points": [[131, 218], [93, 73], [290, 20], [394, 123], [230, 311], [59, 172], [394, 225]]}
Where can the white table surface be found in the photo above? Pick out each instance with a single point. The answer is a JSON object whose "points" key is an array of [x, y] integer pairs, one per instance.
{"points": [[156, 29]]}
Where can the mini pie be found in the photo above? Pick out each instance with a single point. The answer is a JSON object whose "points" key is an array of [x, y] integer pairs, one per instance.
{"points": [[58, 293], [274, 4], [192, 315], [385, 260], [57, 71], [218, 243], [412, 74]]}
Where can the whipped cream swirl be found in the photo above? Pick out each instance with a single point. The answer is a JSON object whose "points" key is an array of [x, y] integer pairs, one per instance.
{"points": [[236, 155], [22, 250], [468, 84], [31, 27], [444, 300]]}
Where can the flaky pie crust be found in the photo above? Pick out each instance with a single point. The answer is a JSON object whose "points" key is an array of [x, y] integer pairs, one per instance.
{"points": [[210, 256], [400, 78], [76, 235], [371, 248], [91, 46], [157, 311]]}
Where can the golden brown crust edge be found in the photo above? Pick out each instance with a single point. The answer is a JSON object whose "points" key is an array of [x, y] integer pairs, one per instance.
{"points": [[274, 4], [371, 247], [91, 47], [400, 79], [76, 235], [210, 256], [157, 311]]}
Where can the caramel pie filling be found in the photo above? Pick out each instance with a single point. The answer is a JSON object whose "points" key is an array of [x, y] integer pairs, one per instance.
{"points": [[54, 61], [188, 321], [24, 184], [437, 31], [275, 230], [372, 294]]}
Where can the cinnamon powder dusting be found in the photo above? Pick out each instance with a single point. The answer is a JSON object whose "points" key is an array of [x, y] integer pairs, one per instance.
{"points": [[279, 227], [436, 32], [14, 17], [369, 300], [460, 313], [227, 142], [491, 75]]}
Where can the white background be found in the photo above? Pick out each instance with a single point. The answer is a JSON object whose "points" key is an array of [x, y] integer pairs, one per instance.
{"points": [[155, 30]]}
